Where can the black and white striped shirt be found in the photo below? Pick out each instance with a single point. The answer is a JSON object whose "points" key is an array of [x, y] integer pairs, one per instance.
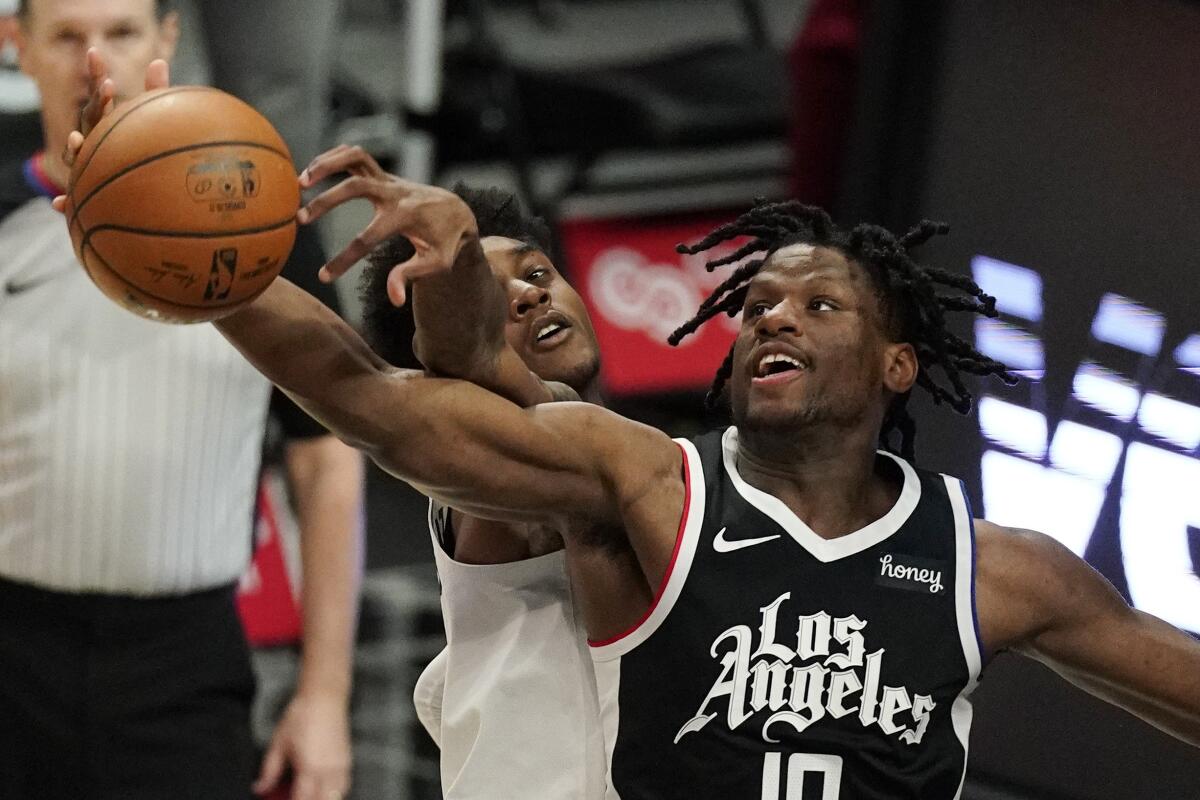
{"points": [[129, 450]]}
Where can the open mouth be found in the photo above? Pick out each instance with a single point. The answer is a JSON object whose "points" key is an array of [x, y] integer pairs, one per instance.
{"points": [[550, 331], [778, 366]]}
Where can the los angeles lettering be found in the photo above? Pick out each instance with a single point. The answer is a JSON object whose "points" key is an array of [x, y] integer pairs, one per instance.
{"points": [[827, 673]]}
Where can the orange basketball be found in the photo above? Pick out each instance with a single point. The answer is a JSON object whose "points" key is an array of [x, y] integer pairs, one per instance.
{"points": [[182, 204]]}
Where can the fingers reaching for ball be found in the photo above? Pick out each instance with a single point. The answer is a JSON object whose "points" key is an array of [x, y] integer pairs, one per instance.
{"points": [[436, 221], [343, 158]]}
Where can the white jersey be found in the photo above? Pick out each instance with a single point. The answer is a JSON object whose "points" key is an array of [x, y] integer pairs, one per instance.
{"points": [[517, 715], [129, 450]]}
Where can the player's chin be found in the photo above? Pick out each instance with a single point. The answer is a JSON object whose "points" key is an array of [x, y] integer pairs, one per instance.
{"points": [[771, 413], [575, 365]]}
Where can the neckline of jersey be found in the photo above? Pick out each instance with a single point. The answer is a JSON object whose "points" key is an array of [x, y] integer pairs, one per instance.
{"points": [[825, 550]]}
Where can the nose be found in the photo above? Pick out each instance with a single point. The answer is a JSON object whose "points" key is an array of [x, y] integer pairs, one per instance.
{"points": [[780, 318], [524, 298]]}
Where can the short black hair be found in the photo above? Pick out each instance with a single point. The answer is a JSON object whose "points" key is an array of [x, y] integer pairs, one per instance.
{"points": [[911, 308], [161, 7], [498, 213], [389, 330]]}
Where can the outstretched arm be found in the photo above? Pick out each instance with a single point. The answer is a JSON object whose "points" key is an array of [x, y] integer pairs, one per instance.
{"points": [[459, 306], [453, 440], [1038, 598]]}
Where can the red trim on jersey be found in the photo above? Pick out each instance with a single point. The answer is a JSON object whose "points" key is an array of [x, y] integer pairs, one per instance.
{"points": [[662, 588]]}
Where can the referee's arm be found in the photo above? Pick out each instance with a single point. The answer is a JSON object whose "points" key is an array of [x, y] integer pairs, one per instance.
{"points": [[326, 481]]}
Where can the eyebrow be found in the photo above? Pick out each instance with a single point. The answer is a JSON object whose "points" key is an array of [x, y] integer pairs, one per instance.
{"points": [[524, 248]]}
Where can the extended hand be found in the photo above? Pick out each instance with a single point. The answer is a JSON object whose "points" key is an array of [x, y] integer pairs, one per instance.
{"points": [[102, 96], [437, 222], [314, 738]]}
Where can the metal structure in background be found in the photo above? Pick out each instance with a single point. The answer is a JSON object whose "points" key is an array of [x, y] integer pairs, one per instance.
{"points": [[400, 631], [613, 107], [389, 56]]}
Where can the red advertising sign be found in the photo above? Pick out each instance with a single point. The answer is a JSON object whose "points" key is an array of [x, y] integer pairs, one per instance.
{"points": [[638, 290]]}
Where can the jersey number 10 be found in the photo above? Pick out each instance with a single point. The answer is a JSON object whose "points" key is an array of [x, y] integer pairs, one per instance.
{"points": [[801, 768]]}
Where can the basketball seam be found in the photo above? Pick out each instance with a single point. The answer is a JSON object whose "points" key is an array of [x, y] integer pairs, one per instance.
{"points": [[167, 154], [187, 234], [95, 149], [132, 285]]}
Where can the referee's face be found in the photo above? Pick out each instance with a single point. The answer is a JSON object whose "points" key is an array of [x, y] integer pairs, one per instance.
{"points": [[548, 324], [53, 41]]}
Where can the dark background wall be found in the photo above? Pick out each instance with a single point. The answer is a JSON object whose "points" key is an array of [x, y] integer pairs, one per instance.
{"points": [[1062, 137]]}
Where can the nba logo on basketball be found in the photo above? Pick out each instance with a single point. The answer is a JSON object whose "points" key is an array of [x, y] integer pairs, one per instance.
{"points": [[220, 276]]}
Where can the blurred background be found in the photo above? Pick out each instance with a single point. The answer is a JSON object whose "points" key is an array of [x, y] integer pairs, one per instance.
{"points": [[1058, 139]]}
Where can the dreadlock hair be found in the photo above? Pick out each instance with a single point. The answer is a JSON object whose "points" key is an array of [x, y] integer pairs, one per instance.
{"points": [[389, 330], [913, 310]]}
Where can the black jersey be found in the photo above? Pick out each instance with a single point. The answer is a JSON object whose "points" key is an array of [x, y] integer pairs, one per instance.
{"points": [[779, 665]]}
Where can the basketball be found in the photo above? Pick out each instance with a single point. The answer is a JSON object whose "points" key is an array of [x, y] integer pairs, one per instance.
{"points": [[182, 204]]}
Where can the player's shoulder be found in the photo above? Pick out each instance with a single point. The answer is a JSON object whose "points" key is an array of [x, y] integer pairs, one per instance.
{"points": [[1028, 583], [1015, 542], [1032, 568], [1017, 552]]}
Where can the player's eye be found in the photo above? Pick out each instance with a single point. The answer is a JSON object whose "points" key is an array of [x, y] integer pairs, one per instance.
{"points": [[757, 310], [823, 304], [537, 274]]}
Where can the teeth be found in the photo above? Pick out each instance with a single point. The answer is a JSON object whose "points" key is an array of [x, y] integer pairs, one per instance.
{"points": [[548, 330], [771, 358]]}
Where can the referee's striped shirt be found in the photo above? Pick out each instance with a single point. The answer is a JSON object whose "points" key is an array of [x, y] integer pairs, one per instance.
{"points": [[129, 450]]}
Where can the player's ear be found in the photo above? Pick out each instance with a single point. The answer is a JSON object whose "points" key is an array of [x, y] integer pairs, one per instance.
{"points": [[168, 36], [900, 367]]}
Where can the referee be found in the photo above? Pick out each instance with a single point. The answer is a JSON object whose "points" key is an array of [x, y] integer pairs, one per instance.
{"points": [[129, 458]]}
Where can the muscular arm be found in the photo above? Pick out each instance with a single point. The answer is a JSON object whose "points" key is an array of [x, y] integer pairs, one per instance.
{"points": [[460, 317], [453, 440], [1038, 598]]}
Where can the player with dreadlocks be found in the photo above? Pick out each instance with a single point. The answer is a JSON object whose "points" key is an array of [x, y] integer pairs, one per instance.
{"points": [[912, 309], [777, 609]]}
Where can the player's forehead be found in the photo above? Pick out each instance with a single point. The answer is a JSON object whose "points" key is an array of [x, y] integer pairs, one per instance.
{"points": [[508, 256], [799, 264]]}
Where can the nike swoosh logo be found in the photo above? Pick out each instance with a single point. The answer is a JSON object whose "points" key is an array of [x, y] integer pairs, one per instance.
{"points": [[13, 287], [723, 545]]}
